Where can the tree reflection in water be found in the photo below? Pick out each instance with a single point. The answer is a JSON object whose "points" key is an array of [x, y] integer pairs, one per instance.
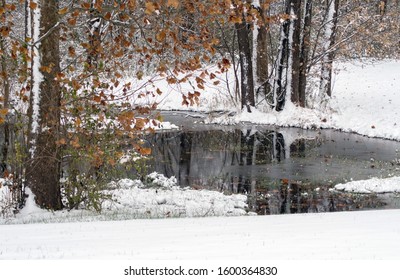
{"points": [[278, 176]]}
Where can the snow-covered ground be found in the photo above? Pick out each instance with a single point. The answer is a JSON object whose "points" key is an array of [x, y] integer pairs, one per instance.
{"points": [[355, 235], [366, 101], [161, 197]]}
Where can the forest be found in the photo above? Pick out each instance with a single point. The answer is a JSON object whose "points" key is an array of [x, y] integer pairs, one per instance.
{"points": [[75, 75]]}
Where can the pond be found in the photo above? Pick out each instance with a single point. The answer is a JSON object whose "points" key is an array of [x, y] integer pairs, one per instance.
{"points": [[282, 170]]}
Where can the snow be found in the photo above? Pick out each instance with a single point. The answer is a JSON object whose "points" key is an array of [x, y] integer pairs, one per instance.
{"points": [[340, 236], [373, 185], [161, 180], [255, 3], [365, 101], [157, 125], [173, 201], [158, 197], [364, 98], [372, 235], [37, 76]]}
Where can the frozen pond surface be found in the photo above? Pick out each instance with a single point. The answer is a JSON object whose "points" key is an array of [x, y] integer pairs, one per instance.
{"points": [[283, 170]]}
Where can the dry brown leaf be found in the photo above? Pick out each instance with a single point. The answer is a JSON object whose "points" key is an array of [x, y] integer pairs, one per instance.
{"points": [[173, 3], [150, 8], [63, 11], [33, 5]]}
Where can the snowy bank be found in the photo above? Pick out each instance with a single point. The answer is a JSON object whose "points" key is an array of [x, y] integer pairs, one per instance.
{"points": [[374, 185], [159, 197], [167, 199], [366, 98]]}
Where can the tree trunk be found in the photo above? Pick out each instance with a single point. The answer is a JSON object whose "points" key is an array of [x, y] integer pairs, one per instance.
{"points": [[43, 168], [6, 95], [279, 80], [260, 53], [295, 25], [328, 45], [245, 59], [185, 159], [305, 51]]}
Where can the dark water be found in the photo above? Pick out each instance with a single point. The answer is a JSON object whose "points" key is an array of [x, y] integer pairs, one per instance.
{"points": [[281, 170]]}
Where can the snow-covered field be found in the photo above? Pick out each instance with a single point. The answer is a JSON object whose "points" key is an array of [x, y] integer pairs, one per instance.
{"points": [[355, 235], [366, 101]]}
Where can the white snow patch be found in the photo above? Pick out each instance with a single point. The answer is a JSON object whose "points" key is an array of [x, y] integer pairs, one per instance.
{"points": [[164, 198], [373, 185], [37, 76], [31, 207], [175, 202], [162, 181], [158, 125]]}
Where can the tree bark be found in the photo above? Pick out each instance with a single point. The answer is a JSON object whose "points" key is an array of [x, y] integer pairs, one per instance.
{"points": [[6, 95], [261, 54], [328, 45], [295, 51], [43, 168], [245, 59], [279, 86], [305, 51]]}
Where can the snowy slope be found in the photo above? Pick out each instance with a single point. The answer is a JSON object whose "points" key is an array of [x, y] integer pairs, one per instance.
{"points": [[368, 99]]}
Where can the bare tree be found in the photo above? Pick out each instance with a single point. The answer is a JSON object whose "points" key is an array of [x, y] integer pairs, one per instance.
{"points": [[287, 72], [5, 83], [245, 57], [260, 50], [305, 51], [280, 69], [328, 50]]}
